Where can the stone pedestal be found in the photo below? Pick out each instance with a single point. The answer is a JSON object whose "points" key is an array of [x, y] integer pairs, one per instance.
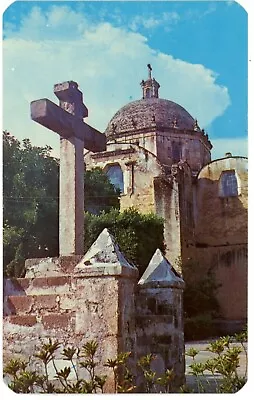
{"points": [[74, 300]]}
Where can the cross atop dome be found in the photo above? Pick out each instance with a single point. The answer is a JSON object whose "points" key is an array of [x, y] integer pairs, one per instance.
{"points": [[150, 87], [149, 71]]}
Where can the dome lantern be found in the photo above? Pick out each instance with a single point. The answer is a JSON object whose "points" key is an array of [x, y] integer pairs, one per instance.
{"points": [[150, 87]]}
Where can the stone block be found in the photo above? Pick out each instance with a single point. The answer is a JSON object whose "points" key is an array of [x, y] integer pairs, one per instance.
{"points": [[20, 304], [58, 321], [51, 281], [30, 304], [47, 302], [46, 267], [23, 320]]}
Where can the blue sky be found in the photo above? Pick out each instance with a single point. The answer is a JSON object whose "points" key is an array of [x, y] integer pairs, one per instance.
{"points": [[198, 51]]}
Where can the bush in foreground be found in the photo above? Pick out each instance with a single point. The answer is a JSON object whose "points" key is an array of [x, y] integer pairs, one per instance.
{"points": [[222, 367]]}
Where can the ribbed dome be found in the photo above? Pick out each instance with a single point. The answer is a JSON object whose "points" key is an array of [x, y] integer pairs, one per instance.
{"points": [[147, 112]]}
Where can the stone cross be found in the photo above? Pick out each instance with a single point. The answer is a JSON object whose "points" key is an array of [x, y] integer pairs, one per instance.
{"points": [[75, 135]]}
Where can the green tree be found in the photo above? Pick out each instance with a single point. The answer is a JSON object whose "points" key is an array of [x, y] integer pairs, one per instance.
{"points": [[138, 235], [30, 203], [100, 194]]}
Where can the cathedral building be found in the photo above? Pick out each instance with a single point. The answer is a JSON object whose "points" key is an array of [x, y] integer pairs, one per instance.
{"points": [[160, 159]]}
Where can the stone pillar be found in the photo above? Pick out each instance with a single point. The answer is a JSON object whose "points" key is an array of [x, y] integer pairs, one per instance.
{"points": [[130, 174], [74, 300], [159, 318], [166, 194], [105, 283], [71, 203]]}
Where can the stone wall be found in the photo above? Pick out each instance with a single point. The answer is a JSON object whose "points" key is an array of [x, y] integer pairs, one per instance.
{"points": [[139, 167], [74, 300], [94, 302], [221, 220], [221, 234], [194, 147], [230, 267]]}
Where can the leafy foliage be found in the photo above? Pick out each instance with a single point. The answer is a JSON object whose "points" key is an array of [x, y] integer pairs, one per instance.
{"points": [[223, 366], [130, 229], [123, 378], [100, 194], [30, 199], [22, 378], [30, 185], [30, 203]]}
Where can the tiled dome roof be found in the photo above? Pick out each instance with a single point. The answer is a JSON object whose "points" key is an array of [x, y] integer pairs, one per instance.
{"points": [[144, 113]]}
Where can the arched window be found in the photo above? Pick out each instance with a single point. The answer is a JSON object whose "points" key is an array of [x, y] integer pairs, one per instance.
{"points": [[115, 175], [228, 184], [148, 93]]}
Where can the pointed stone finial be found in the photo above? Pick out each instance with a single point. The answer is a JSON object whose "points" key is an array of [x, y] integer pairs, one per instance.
{"points": [[160, 273], [104, 254], [195, 126], [113, 127]]}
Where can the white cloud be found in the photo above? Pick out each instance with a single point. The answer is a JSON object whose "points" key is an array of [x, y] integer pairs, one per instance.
{"points": [[150, 21], [195, 14], [236, 146], [108, 63]]}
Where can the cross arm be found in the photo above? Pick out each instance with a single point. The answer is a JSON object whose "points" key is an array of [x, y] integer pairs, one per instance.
{"points": [[48, 114]]}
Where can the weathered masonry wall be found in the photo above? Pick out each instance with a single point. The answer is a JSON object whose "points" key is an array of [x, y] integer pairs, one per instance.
{"points": [[192, 147], [69, 309], [94, 302], [221, 233], [230, 267], [138, 166], [167, 207], [160, 329], [75, 300], [221, 220]]}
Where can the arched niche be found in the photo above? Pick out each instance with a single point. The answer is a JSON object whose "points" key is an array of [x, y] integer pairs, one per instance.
{"points": [[229, 184], [115, 175]]}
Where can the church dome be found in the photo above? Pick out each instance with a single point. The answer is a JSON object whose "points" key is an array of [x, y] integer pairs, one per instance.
{"points": [[149, 112]]}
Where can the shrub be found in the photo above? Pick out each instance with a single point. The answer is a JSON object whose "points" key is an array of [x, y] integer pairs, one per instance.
{"points": [[199, 327], [138, 235], [25, 380], [222, 366]]}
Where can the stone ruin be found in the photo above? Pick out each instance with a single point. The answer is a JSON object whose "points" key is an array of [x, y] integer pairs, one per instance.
{"points": [[98, 297], [75, 298]]}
